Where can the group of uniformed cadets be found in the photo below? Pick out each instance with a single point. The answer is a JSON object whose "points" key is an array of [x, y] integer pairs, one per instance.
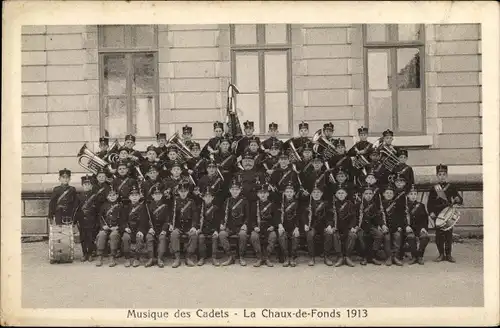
{"points": [[251, 190]]}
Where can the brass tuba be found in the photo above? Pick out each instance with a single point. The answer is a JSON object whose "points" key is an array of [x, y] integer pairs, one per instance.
{"points": [[319, 139], [112, 154], [388, 155], [293, 154], [93, 163], [184, 152]]}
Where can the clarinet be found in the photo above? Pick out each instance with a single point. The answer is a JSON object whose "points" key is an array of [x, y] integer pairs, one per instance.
{"points": [[202, 214], [361, 209], [407, 212], [226, 215], [310, 211], [174, 213], [258, 214]]}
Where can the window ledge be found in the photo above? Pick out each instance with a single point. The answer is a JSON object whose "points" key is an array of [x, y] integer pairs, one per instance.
{"points": [[409, 141]]}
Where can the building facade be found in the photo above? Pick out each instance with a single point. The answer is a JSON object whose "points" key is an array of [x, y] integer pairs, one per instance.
{"points": [[83, 81]]}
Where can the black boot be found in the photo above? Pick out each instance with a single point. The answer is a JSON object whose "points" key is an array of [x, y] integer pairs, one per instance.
{"points": [[177, 261]]}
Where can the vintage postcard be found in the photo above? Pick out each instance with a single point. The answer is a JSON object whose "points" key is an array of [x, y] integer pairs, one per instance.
{"points": [[250, 163]]}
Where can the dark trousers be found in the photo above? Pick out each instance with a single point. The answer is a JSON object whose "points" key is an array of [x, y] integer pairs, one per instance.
{"points": [[344, 242], [268, 240], [397, 238], [327, 242], [175, 242], [423, 240], [128, 239], [102, 239], [202, 246], [87, 240], [444, 241], [377, 239], [287, 238], [242, 241], [161, 246]]}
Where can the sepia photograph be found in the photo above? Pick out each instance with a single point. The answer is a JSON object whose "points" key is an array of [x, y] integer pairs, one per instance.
{"points": [[306, 170]]}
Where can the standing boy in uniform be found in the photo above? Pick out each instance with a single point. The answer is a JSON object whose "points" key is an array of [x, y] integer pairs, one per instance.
{"points": [[272, 140], [87, 218], [442, 195], [344, 217], [208, 226], [159, 209], [288, 227], [416, 227], [63, 201]]}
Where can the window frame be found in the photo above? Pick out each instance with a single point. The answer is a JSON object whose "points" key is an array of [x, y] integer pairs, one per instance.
{"points": [[392, 45], [261, 48], [128, 53]]}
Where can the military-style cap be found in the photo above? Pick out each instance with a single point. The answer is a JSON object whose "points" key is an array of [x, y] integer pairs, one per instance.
{"points": [[225, 139], [263, 188], [100, 169], [183, 186], [173, 148], [130, 137], [402, 152], [387, 133], [362, 129], [441, 168], [161, 135], [317, 187], [413, 188], [389, 187], [134, 190], [273, 126], [235, 184], [340, 188], [156, 190], [175, 163], [187, 129], [208, 191], [339, 142], [275, 145], [65, 171], [153, 168], [303, 125], [212, 163], [253, 139], [112, 191], [341, 170], [317, 158], [104, 140], [151, 148], [283, 155], [368, 187], [218, 124], [400, 177], [122, 163], [370, 171], [86, 179], [307, 146], [248, 155], [123, 148], [328, 126], [290, 185], [248, 124], [194, 145]]}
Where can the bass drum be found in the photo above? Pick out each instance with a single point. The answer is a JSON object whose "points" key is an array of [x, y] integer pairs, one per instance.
{"points": [[61, 243], [447, 218]]}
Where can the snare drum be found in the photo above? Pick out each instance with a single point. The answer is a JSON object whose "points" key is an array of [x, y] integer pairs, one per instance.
{"points": [[447, 218], [61, 243]]}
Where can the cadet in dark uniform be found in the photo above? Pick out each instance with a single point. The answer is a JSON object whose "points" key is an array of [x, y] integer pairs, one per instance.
{"points": [[236, 219], [318, 219], [161, 148], [226, 161], [328, 129], [344, 217], [283, 175], [341, 182], [288, 227], [208, 226], [363, 146], [123, 183], [245, 141], [87, 218], [442, 195], [249, 178], [150, 160], [110, 216], [213, 182], [272, 140], [184, 220], [153, 181], [316, 176], [416, 228], [134, 155], [63, 201], [135, 226], [173, 180], [404, 169], [103, 147], [187, 135], [172, 157], [197, 166], [394, 207], [101, 187], [212, 146], [158, 209], [305, 163], [301, 140], [377, 167], [371, 221], [263, 237], [342, 160]]}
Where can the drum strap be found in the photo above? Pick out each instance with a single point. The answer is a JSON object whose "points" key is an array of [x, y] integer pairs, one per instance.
{"points": [[263, 211], [289, 207], [224, 162], [319, 178], [319, 208], [414, 210], [287, 173], [209, 210], [441, 192], [237, 204], [122, 184], [340, 161], [87, 202], [368, 208], [108, 213], [185, 207], [134, 209], [342, 207], [158, 209], [63, 195]]}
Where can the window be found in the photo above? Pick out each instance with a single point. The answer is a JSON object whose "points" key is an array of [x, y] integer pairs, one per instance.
{"points": [[394, 92], [128, 80], [261, 64]]}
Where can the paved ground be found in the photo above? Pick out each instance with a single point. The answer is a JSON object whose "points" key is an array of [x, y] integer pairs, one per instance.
{"points": [[82, 285]]}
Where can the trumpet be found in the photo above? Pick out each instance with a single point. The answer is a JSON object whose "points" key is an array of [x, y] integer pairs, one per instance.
{"points": [[93, 162], [320, 140]]}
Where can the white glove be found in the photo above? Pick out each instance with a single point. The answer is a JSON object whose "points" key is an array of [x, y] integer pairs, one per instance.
{"points": [[151, 231], [244, 227], [306, 228], [127, 230], [163, 233], [106, 228]]}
